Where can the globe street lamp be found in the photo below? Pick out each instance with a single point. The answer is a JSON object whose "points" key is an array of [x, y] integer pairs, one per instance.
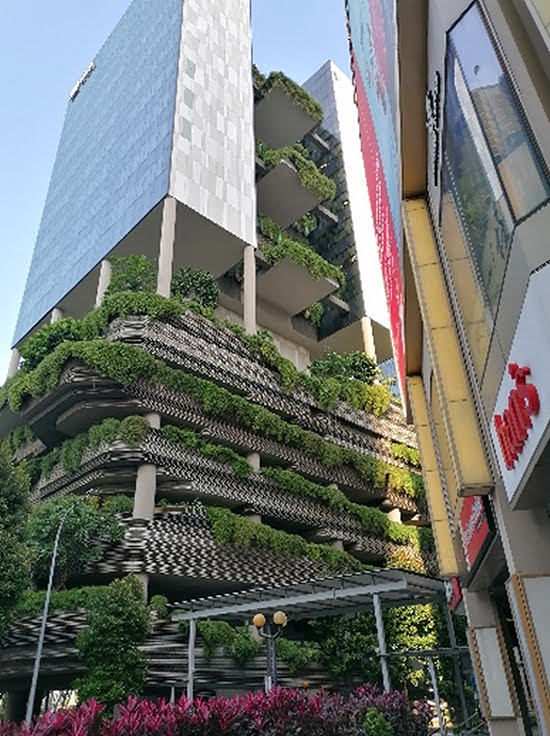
{"points": [[267, 632]]}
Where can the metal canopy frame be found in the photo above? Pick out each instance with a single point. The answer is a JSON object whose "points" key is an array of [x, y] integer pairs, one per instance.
{"points": [[332, 596]]}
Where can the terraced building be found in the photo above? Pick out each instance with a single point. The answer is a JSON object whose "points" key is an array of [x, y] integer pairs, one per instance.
{"points": [[170, 353]]}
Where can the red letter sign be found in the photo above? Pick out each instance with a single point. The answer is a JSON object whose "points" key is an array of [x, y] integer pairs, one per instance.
{"points": [[512, 426]]}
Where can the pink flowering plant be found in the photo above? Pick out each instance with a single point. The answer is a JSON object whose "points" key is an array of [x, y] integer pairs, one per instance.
{"points": [[281, 713]]}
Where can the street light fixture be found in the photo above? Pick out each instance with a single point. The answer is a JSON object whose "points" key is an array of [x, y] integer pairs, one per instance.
{"points": [[266, 631], [38, 657]]}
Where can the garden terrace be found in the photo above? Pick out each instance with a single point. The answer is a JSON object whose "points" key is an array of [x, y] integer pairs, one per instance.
{"points": [[73, 406], [284, 111], [289, 184], [186, 472]]}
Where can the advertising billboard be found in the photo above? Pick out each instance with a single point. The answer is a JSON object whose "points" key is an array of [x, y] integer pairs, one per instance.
{"points": [[373, 40]]}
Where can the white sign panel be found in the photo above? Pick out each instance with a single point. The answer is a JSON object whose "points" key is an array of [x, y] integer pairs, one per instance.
{"points": [[530, 349]]}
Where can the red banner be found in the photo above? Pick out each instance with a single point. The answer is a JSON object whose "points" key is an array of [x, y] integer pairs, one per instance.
{"points": [[388, 250], [474, 528]]}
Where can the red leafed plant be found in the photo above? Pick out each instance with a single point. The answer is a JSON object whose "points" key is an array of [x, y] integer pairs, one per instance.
{"points": [[281, 713]]}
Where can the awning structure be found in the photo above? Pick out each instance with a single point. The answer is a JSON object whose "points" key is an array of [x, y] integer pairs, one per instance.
{"points": [[343, 594], [340, 595]]}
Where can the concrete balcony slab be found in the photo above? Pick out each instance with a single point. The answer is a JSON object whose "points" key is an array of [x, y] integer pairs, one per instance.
{"points": [[291, 288], [282, 197], [279, 121]]}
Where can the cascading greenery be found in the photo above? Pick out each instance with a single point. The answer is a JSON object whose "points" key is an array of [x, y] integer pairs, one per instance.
{"points": [[308, 173], [406, 454], [127, 364], [277, 245], [328, 391], [133, 429], [230, 528], [297, 93]]}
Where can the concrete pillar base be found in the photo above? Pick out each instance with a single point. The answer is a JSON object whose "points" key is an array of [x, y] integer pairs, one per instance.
{"points": [[337, 544], [249, 290], [394, 515], [15, 358], [253, 459], [103, 282], [166, 247], [146, 488], [56, 315]]}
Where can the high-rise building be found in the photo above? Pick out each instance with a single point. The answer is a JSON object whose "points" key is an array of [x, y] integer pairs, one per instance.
{"points": [[454, 111], [160, 356]]}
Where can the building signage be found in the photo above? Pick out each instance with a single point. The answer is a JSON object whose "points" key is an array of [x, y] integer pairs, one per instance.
{"points": [[83, 79], [475, 528], [513, 425]]}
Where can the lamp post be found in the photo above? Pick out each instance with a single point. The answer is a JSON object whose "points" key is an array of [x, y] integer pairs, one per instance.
{"points": [[36, 669], [265, 631]]}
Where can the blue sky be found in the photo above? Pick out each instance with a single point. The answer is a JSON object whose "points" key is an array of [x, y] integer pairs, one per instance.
{"points": [[44, 48]]}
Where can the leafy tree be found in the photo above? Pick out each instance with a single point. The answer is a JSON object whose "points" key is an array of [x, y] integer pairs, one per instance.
{"points": [[354, 365], [132, 273], [14, 562], [86, 532], [118, 623]]}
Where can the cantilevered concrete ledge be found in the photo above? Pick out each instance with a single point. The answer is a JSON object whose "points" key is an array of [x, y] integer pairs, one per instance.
{"points": [[279, 121], [282, 197], [291, 288]]}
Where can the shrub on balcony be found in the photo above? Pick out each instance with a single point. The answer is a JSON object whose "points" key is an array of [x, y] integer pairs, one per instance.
{"points": [[406, 454], [355, 365], [44, 340], [191, 283], [277, 245], [308, 173]]}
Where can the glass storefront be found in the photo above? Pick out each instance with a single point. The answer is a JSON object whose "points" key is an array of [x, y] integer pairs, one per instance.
{"points": [[492, 177]]}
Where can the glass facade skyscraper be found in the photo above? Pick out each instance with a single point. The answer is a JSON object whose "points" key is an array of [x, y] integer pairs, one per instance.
{"points": [[115, 146]]}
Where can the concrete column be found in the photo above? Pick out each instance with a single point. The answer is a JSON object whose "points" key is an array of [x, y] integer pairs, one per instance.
{"points": [[368, 337], [253, 459], [252, 515], [146, 481], [16, 705], [15, 357], [249, 290], [394, 515], [337, 544], [104, 280], [166, 247], [56, 315]]}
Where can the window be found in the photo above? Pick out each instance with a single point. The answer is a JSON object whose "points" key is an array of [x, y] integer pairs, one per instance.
{"points": [[492, 176]]}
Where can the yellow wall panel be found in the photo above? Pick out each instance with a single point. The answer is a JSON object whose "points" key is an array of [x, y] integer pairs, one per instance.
{"points": [[435, 493], [459, 420]]}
